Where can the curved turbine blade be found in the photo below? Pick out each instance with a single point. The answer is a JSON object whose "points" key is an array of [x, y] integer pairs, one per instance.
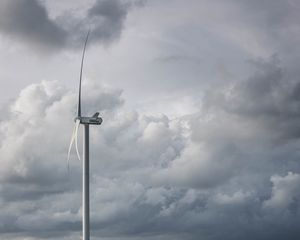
{"points": [[71, 144], [81, 68], [74, 139]]}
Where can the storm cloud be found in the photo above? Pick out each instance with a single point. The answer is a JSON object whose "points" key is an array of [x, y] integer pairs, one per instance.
{"points": [[28, 21], [227, 169]]}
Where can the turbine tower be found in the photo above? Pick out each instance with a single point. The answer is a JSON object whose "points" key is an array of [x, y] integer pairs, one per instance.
{"points": [[86, 122]]}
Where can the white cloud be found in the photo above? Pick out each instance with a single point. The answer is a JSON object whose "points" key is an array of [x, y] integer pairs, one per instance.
{"points": [[238, 197], [285, 191]]}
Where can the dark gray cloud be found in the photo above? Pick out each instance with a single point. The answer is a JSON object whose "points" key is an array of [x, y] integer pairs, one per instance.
{"points": [[112, 15], [28, 21], [270, 96]]}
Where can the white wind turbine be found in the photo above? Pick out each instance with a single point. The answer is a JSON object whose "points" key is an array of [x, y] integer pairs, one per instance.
{"points": [[86, 122]]}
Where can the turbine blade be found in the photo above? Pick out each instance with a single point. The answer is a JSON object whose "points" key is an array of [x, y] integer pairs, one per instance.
{"points": [[76, 137], [80, 78], [70, 146]]}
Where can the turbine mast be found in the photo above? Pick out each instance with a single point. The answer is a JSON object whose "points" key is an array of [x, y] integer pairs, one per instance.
{"points": [[86, 185]]}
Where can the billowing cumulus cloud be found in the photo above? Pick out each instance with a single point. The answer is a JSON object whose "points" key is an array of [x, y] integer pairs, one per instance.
{"points": [[285, 191], [150, 175]]}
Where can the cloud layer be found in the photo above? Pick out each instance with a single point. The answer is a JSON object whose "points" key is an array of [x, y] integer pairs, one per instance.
{"points": [[229, 170], [201, 176]]}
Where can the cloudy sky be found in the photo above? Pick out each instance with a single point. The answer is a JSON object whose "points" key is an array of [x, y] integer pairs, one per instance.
{"points": [[201, 108]]}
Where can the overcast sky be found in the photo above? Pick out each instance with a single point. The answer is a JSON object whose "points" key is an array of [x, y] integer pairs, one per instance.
{"points": [[201, 108]]}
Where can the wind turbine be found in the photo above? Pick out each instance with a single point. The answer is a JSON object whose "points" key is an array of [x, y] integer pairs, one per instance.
{"points": [[86, 122]]}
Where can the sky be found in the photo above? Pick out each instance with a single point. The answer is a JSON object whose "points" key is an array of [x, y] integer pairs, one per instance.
{"points": [[201, 119]]}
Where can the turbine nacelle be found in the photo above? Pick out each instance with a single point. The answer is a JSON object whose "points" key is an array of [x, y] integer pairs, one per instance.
{"points": [[94, 120]]}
